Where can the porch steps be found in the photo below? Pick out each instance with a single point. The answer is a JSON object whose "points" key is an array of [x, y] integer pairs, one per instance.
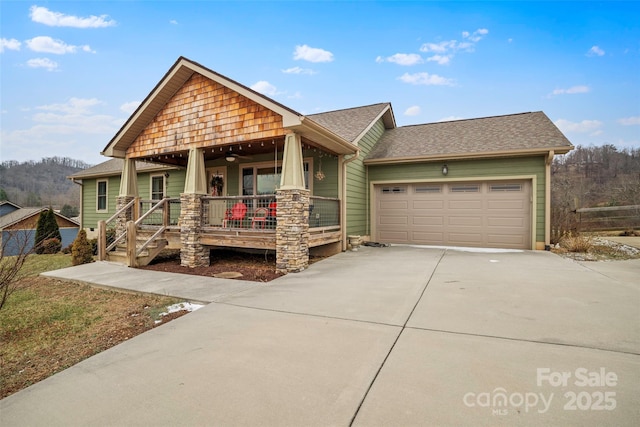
{"points": [[152, 250]]}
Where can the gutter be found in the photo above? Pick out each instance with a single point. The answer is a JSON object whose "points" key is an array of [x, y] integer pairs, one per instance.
{"points": [[81, 200], [343, 205]]}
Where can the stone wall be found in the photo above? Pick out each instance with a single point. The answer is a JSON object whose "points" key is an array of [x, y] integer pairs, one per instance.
{"points": [[192, 252], [125, 216], [292, 231]]}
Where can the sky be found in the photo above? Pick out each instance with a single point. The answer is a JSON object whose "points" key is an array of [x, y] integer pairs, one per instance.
{"points": [[72, 72]]}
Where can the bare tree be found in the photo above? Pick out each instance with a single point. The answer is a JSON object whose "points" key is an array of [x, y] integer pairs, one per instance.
{"points": [[18, 242]]}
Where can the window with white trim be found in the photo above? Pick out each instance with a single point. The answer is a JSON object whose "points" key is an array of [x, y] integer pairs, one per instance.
{"points": [[102, 189], [263, 179]]}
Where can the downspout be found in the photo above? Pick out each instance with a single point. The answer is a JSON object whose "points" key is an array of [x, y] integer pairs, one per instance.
{"points": [[547, 200], [81, 201], [343, 206]]}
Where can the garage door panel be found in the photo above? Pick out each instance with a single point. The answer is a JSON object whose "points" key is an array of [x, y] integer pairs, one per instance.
{"points": [[395, 204], [428, 220], [394, 220], [484, 214], [464, 220], [465, 204], [427, 204]]}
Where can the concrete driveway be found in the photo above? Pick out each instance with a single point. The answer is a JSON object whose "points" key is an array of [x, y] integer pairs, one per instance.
{"points": [[383, 336]]}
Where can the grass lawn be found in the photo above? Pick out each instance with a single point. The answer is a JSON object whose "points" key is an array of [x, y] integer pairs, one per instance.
{"points": [[48, 325]]}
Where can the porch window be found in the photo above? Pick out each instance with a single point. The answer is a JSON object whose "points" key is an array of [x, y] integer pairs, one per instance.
{"points": [[157, 187], [101, 196], [262, 179]]}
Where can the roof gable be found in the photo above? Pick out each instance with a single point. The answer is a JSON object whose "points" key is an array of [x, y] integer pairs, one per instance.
{"points": [[515, 134], [23, 214], [177, 76], [352, 123]]}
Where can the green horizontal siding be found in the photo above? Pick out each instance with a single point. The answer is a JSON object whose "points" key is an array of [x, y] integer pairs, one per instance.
{"points": [[463, 169], [357, 191]]}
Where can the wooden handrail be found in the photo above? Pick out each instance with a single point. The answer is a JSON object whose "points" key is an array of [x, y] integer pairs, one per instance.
{"points": [[145, 244], [122, 209], [147, 213]]}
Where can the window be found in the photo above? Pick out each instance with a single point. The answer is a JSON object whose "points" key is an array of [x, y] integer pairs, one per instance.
{"points": [[506, 187], [465, 188], [394, 190], [157, 187], [264, 179], [101, 192], [427, 189]]}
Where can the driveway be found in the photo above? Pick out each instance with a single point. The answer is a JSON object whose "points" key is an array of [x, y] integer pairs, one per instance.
{"points": [[383, 336]]}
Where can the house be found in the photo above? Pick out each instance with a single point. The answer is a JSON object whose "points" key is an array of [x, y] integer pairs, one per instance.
{"points": [[18, 230], [236, 168], [6, 207]]}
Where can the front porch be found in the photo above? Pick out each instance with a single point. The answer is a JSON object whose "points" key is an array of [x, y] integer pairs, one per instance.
{"points": [[141, 228]]}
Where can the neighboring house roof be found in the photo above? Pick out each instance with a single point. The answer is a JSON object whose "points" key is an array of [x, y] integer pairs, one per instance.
{"points": [[114, 167], [515, 134], [8, 203], [353, 123], [24, 213]]}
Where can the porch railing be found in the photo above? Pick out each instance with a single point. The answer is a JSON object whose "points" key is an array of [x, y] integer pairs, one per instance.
{"points": [[167, 214], [260, 212]]}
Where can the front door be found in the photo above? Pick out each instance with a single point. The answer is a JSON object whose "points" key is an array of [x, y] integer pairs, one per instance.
{"points": [[217, 186]]}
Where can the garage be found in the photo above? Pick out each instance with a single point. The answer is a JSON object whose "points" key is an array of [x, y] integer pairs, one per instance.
{"points": [[492, 214]]}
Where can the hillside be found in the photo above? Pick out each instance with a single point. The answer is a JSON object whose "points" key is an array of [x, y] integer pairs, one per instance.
{"points": [[41, 183]]}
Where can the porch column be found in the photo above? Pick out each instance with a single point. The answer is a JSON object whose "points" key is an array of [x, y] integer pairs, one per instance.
{"points": [[292, 229], [192, 252], [128, 192]]}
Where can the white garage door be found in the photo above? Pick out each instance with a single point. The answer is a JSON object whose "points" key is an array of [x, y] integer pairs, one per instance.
{"points": [[492, 214]]}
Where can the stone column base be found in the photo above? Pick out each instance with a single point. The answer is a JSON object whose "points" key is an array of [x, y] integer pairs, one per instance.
{"points": [[292, 230], [192, 253]]}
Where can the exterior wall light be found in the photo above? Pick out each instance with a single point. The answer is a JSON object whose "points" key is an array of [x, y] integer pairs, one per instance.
{"points": [[445, 169]]}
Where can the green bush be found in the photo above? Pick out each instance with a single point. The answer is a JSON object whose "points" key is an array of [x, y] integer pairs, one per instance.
{"points": [[81, 250], [47, 228]]}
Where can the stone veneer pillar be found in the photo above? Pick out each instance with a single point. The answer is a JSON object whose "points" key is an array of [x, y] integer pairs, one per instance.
{"points": [[292, 230], [125, 216], [192, 252]]}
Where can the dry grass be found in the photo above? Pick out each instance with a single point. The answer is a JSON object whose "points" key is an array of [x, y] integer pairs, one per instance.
{"points": [[575, 242], [48, 325]]}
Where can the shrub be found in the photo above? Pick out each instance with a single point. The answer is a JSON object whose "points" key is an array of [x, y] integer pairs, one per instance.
{"points": [[46, 228], [575, 242], [51, 246], [81, 251]]}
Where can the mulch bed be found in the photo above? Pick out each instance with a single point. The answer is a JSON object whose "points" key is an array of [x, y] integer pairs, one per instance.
{"points": [[253, 267]]}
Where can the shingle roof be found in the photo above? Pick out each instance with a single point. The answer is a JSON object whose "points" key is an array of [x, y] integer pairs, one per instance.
{"points": [[351, 122], [114, 167], [24, 213], [525, 132]]}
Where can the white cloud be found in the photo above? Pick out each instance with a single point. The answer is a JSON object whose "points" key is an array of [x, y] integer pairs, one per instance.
{"points": [[48, 45], [129, 107], [11, 44], [572, 90], [299, 70], [412, 111], [296, 95], [450, 119], [265, 88], [444, 51], [585, 126], [440, 59], [42, 15], [402, 59], [173, 22], [312, 54], [595, 51], [629, 121], [74, 106], [42, 63], [425, 79]]}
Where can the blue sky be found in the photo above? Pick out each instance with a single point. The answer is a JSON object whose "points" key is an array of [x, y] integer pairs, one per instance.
{"points": [[73, 72]]}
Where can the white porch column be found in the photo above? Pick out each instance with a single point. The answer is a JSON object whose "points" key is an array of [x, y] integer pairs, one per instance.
{"points": [[292, 177], [196, 179], [129, 179], [192, 252]]}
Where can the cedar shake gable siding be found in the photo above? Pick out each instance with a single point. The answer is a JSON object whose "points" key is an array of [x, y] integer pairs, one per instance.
{"points": [[204, 113], [514, 134]]}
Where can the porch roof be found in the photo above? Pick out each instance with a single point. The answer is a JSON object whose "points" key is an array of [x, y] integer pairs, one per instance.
{"points": [[178, 75]]}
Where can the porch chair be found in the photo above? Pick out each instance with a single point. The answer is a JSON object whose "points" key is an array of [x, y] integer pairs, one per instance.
{"points": [[238, 213], [227, 218], [259, 216]]}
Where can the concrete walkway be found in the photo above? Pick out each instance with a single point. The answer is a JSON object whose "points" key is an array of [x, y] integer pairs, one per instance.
{"points": [[383, 336]]}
